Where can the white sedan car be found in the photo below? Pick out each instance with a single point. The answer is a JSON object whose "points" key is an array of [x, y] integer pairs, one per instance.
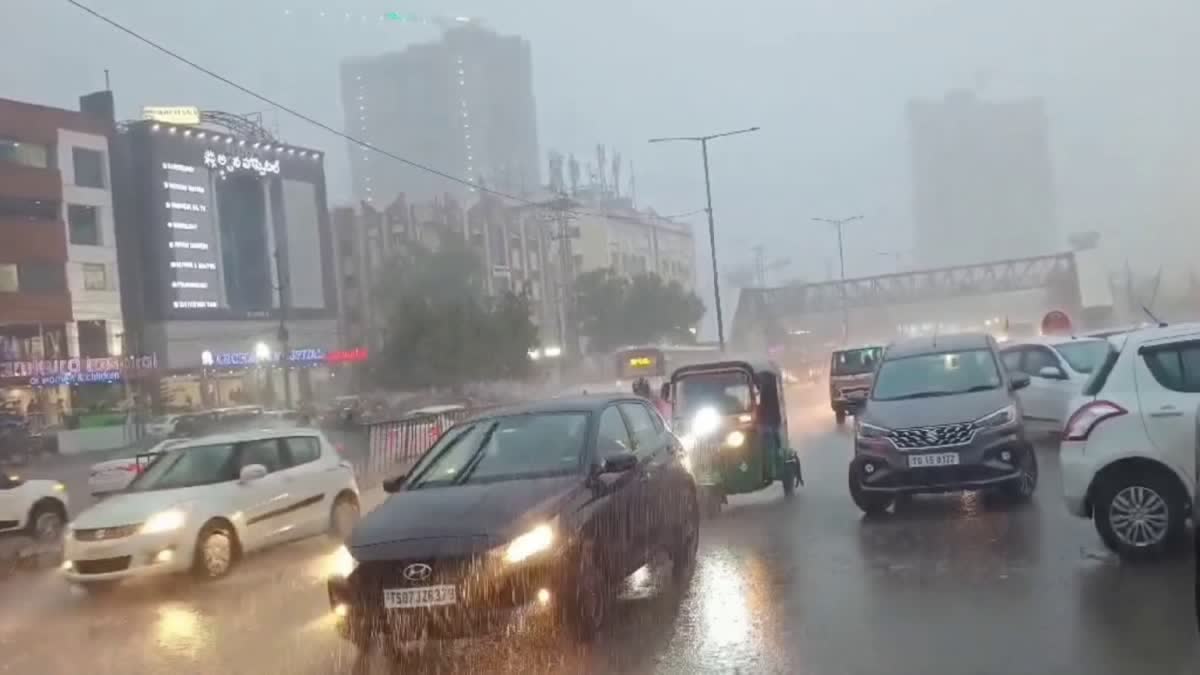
{"points": [[37, 508], [114, 475], [205, 502], [1058, 367]]}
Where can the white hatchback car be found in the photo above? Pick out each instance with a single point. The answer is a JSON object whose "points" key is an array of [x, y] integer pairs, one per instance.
{"points": [[1128, 452], [37, 508], [1057, 367], [204, 503]]}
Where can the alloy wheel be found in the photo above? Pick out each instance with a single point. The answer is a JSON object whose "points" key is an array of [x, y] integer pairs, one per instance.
{"points": [[1139, 516], [47, 527], [217, 554]]}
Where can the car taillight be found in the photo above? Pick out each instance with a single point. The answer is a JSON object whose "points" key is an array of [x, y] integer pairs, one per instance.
{"points": [[1082, 421]]}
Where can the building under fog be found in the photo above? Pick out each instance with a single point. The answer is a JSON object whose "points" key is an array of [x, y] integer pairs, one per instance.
{"points": [[983, 186], [463, 105]]}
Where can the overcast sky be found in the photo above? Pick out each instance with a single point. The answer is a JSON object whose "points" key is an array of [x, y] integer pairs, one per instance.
{"points": [[827, 80]]}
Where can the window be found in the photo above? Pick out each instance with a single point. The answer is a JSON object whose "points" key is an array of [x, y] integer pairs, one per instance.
{"points": [[8, 279], [42, 277], [1176, 367], [928, 375], [26, 154], [1012, 360], [641, 422], [303, 449], [262, 452], [89, 167], [84, 224], [95, 277], [1084, 355], [1037, 358], [612, 434], [29, 209]]}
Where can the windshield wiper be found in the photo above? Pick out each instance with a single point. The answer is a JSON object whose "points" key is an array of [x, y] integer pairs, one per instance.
{"points": [[979, 387], [475, 459], [919, 394]]}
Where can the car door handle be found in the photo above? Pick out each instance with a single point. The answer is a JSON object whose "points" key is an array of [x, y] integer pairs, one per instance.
{"points": [[1167, 413]]}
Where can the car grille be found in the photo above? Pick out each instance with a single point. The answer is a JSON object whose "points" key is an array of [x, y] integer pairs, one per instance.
{"points": [[942, 436], [102, 565], [105, 533]]}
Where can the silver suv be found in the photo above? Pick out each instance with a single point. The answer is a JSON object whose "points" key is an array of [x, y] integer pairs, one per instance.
{"points": [[942, 416]]}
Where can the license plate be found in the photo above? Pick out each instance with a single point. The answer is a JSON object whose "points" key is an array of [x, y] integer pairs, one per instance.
{"points": [[856, 394], [426, 596], [939, 459]]}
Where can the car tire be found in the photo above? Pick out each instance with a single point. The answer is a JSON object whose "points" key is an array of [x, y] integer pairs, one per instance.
{"points": [[1117, 502], [46, 521], [687, 541], [791, 478], [588, 596], [1023, 488], [343, 516], [711, 502], [869, 503], [840, 416], [216, 552]]}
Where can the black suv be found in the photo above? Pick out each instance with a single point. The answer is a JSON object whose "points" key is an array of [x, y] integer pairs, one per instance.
{"points": [[942, 416], [538, 511]]}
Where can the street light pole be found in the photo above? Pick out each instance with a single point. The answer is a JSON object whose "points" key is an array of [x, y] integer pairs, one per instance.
{"points": [[839, 223], [712, 231]]}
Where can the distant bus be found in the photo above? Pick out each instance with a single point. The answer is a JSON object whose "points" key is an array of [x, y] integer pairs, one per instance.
{"points": [[657, 362]]}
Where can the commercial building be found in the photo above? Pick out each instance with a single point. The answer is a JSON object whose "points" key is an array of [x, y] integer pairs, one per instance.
{"points": [[226, 250], [463, 105], [60, 309], [983, 187]]}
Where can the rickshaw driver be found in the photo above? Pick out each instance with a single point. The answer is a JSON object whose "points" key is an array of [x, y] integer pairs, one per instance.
{"points": [[714, 391]]}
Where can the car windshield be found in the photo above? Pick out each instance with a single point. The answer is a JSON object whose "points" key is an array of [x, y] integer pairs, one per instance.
{"points": [[855, 361], [187, 467], [505, 448], [729, 392], [1085, 355], [941, 374]]}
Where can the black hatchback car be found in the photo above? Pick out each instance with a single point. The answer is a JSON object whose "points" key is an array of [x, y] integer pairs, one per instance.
{"points": [[538, 511]]}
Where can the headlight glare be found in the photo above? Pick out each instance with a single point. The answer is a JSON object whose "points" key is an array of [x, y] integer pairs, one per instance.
{"points": [[343, 563], [706, 421], [164, 521], [533, 542], [735, 439]]}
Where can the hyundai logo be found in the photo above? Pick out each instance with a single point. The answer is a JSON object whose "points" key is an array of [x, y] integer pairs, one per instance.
{"points": [[418, 572]]}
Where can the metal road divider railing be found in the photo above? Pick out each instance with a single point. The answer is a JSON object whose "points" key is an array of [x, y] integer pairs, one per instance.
{"points": [[395, 445]]}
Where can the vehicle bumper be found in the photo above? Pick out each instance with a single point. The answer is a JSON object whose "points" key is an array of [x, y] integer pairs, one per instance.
{"points": [[486, 604], [1077, 474], [126, 558], [980, 466]]}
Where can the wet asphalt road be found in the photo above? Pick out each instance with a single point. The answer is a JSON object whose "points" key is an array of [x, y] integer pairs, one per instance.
{"points": [[948, 586]]}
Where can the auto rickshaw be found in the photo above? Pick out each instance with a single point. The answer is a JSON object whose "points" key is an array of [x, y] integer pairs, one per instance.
{"points": [[732, 421]]}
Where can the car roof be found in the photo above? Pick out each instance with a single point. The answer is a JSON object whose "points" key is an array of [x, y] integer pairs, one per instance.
{"points": [[244, 436], [1052, 340], [1160, 332], [937, 344], [586, 403]]}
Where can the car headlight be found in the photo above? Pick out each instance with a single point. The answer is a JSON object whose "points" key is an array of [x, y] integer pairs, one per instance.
{"points": [[343, 563], [164, 521], [706, 421], [865, 430], [533, 542], [735, 439], [1002, 417]]}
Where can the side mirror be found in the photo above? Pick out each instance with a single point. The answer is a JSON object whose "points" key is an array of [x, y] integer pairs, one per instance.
{"points": [[1019, 381], [665, 392], [1052, 373], [619, 462], [394, 484], [251, 473]]}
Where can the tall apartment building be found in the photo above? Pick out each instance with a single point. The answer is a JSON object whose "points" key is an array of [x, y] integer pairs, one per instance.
{"points": [[983, 186], [59, 281], [463, 105]]}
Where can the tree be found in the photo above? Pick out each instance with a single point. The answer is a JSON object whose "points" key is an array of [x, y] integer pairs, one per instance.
{"points": [[613, 311], [442, 328]]}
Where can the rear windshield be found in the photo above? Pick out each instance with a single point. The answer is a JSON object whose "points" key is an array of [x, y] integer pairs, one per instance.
{"points": [[855, 361], [1096, 384], [1084, 356]]}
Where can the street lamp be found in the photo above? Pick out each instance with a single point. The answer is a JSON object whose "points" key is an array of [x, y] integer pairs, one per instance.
{"points": [[839, 223], [712, 235], [262, 352]]}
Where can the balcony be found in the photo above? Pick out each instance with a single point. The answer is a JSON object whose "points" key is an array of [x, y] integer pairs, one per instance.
{"points": [[17, 180], [32, 239], [35, 307]]}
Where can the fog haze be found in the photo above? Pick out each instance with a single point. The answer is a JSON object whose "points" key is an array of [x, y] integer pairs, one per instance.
{"points": [[827, 82]]}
